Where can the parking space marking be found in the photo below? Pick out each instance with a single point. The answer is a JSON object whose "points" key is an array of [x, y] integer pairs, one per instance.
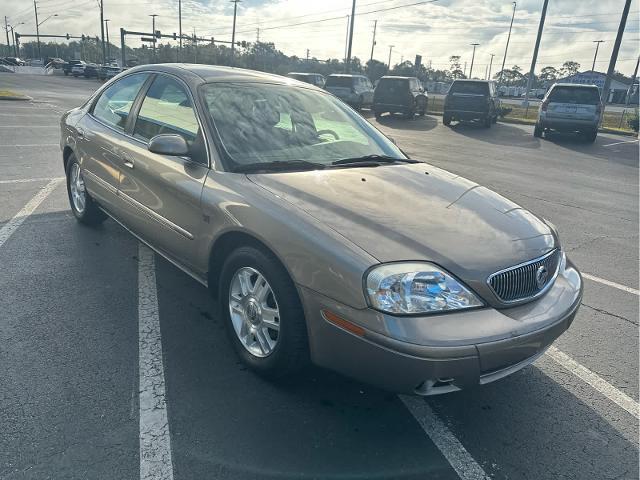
{"points": [[455, 453], [12, 225], [595, 381], [609, 283], [29, 180], [32, 145], [620, 143], [28, 126], [155, 440]]}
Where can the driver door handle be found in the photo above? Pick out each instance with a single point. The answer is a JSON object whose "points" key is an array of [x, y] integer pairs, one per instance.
{"points": [[127, 161]]}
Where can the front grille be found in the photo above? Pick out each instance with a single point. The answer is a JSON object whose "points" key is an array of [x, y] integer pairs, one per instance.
{"points": [[527, 280]]}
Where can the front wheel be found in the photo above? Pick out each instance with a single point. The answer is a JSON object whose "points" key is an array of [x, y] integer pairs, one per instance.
{"points": [[82, 205], [537, 131], [263, 314], [591, 136], [446, 119]]}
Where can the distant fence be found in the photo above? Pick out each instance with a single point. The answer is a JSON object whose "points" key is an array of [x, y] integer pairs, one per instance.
{"points": [[39, 70]]}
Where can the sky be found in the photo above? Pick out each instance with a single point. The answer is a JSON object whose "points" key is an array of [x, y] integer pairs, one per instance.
{"points": [[436, 30]]}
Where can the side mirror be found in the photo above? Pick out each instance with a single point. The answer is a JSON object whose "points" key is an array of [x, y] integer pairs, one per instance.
{"points": [[169, 144]]}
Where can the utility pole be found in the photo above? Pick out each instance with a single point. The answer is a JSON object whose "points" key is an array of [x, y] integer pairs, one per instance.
{"points": [[504, 59], [390, 49], [104, 54], [307, 55], [258, 35], [614, 53], [373, 43], [535, 55], [106, 27], [353, 18], [6, 29], [597, 42], [195, 46], [35, 8], [153, 30], [633, 80], [473, 57], [490, 65], [233, 35], [465, 69], [346, 39], [180, 29]]}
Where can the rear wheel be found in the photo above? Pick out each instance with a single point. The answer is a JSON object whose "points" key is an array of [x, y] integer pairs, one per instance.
{"points": [[591, 136], [263, 314], [446, 119], [487, 121], [82, 205], [377, 114], [537, 131]]}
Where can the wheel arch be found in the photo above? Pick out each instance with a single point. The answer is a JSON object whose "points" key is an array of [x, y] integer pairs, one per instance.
{"points": [[66, 154], [226, 243]]}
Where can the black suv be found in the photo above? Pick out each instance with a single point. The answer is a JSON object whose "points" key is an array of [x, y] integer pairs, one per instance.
{"points": [[400, 95], [471, 100]]}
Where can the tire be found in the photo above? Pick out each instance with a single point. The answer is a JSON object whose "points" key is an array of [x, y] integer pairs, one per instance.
{"points": [[409, 114], [446, 119], [378, 115], [290, 353], [487, 121], [87, 210], [423, 110], [537, 131], [591, 136]]}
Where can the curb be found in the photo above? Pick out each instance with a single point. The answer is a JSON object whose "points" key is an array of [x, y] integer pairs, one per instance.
{"points": [[16, 98]]}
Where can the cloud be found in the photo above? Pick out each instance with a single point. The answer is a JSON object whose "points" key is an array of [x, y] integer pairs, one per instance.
{"points": [[434, 30]]}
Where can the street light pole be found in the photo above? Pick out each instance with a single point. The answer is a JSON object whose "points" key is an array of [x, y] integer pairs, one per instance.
{"points": [[233, 34], [390, 49], [35, 8], [106, 27], [180, 29], [504, 59], [490, 65], [104, 54], [473, 57], [373, 44], [535, 55], [153, 30], [597, 42], [6, 29], [614, 53], [353, 18], [346, 39]]}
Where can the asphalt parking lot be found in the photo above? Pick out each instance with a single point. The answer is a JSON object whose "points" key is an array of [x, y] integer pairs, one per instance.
{"points": [[70, 346]]}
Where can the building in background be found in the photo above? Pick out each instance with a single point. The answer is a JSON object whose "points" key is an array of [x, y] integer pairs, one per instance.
{"points": [[618, 91]]}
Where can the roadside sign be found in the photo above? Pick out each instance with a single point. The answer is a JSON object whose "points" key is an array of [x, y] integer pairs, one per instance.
{"points": [[147, 39]]}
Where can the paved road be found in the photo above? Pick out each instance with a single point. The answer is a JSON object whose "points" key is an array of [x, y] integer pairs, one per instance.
{"points": [[69, 345]]}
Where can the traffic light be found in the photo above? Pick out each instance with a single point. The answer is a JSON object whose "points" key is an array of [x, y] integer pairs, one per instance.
{"points": [[243, 44], [212, 41], [174, 35], [83, 37], [158, 34], [67, 36]]}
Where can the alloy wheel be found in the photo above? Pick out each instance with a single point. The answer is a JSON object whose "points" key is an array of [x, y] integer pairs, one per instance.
{"points": [[76, 186]]}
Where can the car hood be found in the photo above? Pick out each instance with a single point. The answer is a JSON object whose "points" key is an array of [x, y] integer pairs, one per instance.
{"points": [[418, 212]]}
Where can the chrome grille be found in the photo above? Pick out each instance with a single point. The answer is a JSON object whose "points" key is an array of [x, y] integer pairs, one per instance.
{"points": [[522, 281]]}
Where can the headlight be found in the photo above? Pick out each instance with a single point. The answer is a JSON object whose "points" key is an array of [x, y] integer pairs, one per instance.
{"points": [[411, 288]]}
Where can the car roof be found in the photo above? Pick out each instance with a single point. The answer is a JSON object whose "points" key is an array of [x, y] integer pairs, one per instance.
{"points": [[196, 74], [474, 80], [576, 85], [348, 75], [395, 77], [302, 73]]}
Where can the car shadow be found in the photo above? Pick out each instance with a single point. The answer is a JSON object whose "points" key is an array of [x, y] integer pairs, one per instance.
{"points": [[622, 153], [498, 134], [399, 122]]}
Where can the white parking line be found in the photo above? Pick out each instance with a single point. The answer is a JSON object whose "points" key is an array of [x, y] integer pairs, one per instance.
{"points": [[155, 440], [595, 381], [29, 126], [32, 145], [459, 458], [619, 143], [28, 180], [8, 228], [609, 283]]}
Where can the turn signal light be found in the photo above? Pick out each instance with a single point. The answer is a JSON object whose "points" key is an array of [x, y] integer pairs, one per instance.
{"points": [[342, 323]]}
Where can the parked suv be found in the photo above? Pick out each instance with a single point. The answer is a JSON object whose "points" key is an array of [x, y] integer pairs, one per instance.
{"points": [[399, 95], [356, 90], [471, 100], [570, 107], [312, 78]]}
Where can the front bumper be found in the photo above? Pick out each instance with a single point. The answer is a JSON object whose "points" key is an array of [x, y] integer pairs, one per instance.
{"points": [[440, 353]]}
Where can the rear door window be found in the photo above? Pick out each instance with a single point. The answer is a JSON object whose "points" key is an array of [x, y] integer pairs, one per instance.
{"points": [[115, 103], [575, 95]]}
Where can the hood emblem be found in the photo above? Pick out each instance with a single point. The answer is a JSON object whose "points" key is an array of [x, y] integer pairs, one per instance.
{"points": [[542, 274]]}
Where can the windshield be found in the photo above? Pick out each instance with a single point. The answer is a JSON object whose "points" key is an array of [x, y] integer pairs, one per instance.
{"points": [[474, 88], [346, 82], [267, 123], [575, 95]]}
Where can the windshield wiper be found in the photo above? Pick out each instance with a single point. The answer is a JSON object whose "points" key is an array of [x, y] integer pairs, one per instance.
{"points": [[278, 166], [371, 160]]}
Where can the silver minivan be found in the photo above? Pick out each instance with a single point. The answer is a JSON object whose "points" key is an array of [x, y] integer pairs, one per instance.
{"points": [[570, 107], [355, 90]]}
